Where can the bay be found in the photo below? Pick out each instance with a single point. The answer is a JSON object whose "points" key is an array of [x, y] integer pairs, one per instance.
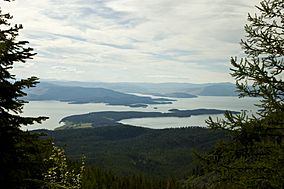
{"points": [[56, 110]]}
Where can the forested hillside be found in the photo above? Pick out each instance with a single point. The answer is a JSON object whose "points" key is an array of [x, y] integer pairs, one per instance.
{"points": [[135, 150], [96, 178]]}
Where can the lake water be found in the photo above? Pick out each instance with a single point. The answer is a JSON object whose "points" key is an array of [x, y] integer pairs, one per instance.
{"points": [[57, 110]]}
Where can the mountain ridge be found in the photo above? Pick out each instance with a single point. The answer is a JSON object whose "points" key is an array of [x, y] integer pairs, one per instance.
{"points": [[81, 95], [170, 90]]}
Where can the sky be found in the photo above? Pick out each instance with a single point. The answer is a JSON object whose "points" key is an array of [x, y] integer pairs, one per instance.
{"points": [[189, 41]]}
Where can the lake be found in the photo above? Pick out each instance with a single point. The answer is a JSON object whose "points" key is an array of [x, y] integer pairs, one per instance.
{"points": [[56, 110]]}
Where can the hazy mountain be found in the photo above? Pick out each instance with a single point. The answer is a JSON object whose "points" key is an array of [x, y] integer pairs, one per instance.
{"points": [[75, 94], [175, 90], [221, 89]]}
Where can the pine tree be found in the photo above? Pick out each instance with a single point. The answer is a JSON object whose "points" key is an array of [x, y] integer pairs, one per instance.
{"points": [[15, 152], [254, 157]]}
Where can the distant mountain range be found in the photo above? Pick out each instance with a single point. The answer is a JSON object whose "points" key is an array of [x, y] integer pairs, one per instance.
{"points": [[80, 95], [173, 90], [125, 93]]}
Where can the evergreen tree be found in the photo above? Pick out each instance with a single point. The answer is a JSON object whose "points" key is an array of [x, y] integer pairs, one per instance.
{"points": [[254, 157], [17, 156]]}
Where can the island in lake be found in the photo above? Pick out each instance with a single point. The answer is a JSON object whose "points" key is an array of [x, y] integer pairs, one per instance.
{"points": [[112, 118]]}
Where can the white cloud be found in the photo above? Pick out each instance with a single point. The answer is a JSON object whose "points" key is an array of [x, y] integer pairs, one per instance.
{"points": [[131, 40]]}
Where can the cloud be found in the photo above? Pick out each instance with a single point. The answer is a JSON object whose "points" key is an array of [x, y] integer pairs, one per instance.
{"points": [[132, 40]]}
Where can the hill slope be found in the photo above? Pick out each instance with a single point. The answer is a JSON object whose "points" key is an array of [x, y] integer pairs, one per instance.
{"points": [[133, 150]]}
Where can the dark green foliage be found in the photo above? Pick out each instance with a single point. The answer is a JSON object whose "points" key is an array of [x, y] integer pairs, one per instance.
{"points": [[96, 178], [127, 150], [263, 67], [254, 158], [22, 164], [21, 153]]}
